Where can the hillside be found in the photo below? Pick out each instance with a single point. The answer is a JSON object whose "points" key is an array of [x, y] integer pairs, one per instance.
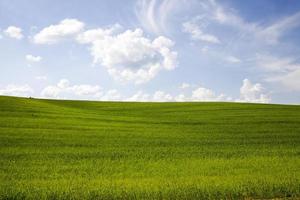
{"points": [[54, 149]]}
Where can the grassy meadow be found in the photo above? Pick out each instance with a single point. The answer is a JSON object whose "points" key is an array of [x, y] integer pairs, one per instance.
{"points": [[55, 149]]}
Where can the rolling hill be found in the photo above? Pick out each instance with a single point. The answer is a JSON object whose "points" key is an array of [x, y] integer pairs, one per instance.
{"points": [[59, 149]]}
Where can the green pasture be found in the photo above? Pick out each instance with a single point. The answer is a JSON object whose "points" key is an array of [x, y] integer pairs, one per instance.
{"points": [[57, 149]]}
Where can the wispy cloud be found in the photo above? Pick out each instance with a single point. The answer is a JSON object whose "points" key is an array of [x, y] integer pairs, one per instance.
{"points": [[232, 59], [273, 32], [41, 78], [33, 59], [282, 70], [276, 64], [213, 12], [247, 43], [290, 80], [154, 15], [197, 34]]}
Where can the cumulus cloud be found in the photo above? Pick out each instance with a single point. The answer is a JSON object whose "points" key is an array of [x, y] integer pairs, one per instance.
{"points": [[249, 92], [180, 98], [161, 96], [111, 95], [197, 34], [199, 94], [158, 96], [17, 90], [86, 90], [33, 59], [51, 92], [139, 96], [204, 94], [253, 93], [129, 55], [54, 33], [92, 35], [63, 83], [64, 88], [14, 32]]}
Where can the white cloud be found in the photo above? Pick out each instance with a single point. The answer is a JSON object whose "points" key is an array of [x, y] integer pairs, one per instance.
{"points": [[273, 32], [276, 64], [204, 94], [197, 34], [204, 50], [41, 78], [290, 80], [139, 96], [253, 93], [111, 95], [17, 90], [51, 92], [184, 86], [181, 98], [199, 94], [14, 32], [130, 56], [282, 70], [54, 33], [158, 96], [249, 92], [154, 14], [92, 35], [233, 59], [245, 39], [86, 89], [63, 83], [161, 96], [215, 14], [31, 58], [64, 89], [228, 16]]}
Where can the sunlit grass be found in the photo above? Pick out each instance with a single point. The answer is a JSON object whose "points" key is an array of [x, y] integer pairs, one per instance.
{"points": [[104, 150]]}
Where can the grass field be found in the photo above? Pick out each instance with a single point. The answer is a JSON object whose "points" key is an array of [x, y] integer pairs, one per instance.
{"points": [[104, 150]]}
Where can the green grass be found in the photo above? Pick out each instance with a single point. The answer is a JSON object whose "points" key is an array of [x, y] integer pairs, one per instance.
{"points": [[107, 150]]}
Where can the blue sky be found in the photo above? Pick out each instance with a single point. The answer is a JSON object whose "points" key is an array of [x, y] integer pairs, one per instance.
{"points": [[151, 50]]}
